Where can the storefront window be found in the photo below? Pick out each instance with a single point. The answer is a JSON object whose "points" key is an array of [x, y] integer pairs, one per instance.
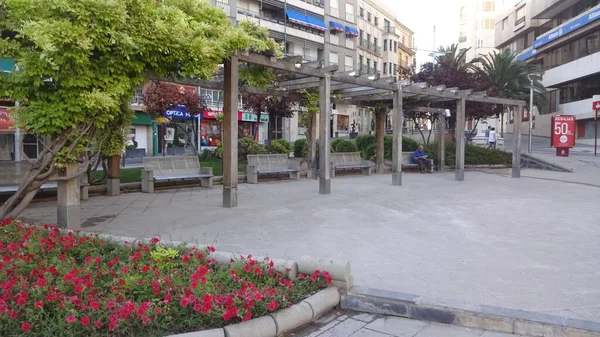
{"points": [[343, 122], [7, 147], [210, 133]]}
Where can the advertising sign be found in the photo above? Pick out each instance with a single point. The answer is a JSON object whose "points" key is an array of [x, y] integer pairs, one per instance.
{"points": [[596, 105], [563, 131], [569, 27]]}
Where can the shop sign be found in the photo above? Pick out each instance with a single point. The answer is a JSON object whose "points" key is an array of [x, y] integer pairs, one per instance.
{"points": [[211, 114], [251, 117], [563, 131]]}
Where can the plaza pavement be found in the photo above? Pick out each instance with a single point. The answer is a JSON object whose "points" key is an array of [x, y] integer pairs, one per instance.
{"points": [[527, 244], [349, 324]]}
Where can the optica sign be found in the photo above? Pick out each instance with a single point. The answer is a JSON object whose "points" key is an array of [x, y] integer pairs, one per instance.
{"points": [[563, 131]]}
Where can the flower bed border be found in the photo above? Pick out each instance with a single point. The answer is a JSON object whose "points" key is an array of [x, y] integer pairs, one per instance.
{"points": [[282, 321]]}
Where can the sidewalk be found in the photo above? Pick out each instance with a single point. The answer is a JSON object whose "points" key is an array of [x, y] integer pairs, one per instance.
{"points": [[586, 170], [352, 324]]}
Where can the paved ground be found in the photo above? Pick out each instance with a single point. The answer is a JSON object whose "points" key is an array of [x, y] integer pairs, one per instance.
{"points": [[519, 243], [345, 324]]}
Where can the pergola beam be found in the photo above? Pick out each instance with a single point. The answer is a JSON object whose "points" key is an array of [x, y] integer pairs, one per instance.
{"points": [[275, 63]]}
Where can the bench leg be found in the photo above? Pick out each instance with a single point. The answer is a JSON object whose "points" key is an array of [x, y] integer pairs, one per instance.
{"points": [[366, 171], [147, 182], [85, 192], [332, 173], [251, 175], [430, 165], [295, 175], [206, 182]]}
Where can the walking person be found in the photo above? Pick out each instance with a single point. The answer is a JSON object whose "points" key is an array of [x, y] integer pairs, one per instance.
{"points": [[492, 138]]}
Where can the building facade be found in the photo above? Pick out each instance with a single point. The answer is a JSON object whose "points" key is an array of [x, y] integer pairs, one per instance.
{"points": [[477, 27], [563, 37]]}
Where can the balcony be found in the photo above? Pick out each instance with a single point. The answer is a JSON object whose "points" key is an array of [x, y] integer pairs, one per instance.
{"points": [[277, 25], [390, 30], [320, 3], [370, 47], [366, 70], [222, 5], [404, 65]]}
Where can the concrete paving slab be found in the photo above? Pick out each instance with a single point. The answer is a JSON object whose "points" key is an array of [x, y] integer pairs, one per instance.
{"points": [[525, 244], [400, 327], [443, 330]]}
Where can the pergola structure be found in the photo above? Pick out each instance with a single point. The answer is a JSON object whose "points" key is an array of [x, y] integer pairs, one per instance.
{"points": [[352, 89]]}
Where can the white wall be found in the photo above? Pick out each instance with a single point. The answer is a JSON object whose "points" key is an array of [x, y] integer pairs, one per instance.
{"points": [[141, 136], [573, 70]]}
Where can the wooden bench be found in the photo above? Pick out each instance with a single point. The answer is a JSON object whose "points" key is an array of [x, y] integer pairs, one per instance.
{"points": [[174, 168], [349, 161], [11, 174], [408, 161], [270, 164]]}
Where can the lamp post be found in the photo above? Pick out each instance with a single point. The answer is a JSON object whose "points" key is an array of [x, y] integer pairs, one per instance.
{"points": [[530, 147]]}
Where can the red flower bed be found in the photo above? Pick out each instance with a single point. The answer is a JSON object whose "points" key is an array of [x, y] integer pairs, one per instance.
{"points": [[58, 283]]}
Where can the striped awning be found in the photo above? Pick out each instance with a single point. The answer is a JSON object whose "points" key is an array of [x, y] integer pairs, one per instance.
{"points": [[336, 26], [297, 18], [316, 23], [351, 31]]}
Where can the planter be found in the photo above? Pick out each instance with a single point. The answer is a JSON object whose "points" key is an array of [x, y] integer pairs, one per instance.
{"points": [[135, 153], [175, 151], [353, 135]]}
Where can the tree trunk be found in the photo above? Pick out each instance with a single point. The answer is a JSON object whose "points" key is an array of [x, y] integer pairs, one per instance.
{"points": [[380, 132]]}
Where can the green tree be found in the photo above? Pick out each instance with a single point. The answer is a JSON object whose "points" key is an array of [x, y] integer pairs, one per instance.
{"points": [[504, 76], [81, 60]]}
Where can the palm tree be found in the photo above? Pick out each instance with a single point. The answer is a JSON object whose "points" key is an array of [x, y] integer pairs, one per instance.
{"points": [[452, 57], [504, 76]]}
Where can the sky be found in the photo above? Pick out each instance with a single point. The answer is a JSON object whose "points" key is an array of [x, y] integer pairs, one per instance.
{"points": [[421, 15]]}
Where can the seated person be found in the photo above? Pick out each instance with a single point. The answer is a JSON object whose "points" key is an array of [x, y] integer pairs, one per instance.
{"points": [[421, 159]]}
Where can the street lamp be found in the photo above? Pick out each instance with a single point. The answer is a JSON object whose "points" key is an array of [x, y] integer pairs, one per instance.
{"points": [[530, 147]]}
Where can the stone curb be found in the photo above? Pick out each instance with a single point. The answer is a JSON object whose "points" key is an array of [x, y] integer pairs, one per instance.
{"points": [[481, 316], [554, 166]]}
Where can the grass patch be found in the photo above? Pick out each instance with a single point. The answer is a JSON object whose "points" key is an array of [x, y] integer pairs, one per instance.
{"points": [[59, 283]]}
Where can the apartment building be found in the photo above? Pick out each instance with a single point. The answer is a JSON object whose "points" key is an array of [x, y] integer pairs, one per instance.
{"points": [[563, 37], [478, 26], [406, 51]]}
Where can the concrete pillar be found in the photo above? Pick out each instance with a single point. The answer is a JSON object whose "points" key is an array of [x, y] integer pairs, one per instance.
{"points": [[312, 148], [324, 141], [516, 159], [230, 133], [460, 140], [397, 139], [441, 155], [380, 134], [68, 199], [113, 179]]}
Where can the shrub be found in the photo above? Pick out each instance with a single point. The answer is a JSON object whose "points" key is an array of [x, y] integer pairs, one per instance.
{"points": [[208, 155], [300, 148], [345, 146], [281, 146], [335, 143], [363, 142], [367, 145], [474, 155], [58, 283], [248, 145]]}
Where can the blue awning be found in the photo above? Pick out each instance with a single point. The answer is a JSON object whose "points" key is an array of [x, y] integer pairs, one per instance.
{"points": [[316, 23], [336, 26], [351, 31], [297, 18]]}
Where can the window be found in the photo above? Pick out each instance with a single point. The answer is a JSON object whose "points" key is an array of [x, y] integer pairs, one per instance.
{"points": [[349, 63], [479, 42], [520, 16], [385, 68], [395, 46], [390, 66], [334, 39], [489, 6], [369, 16], [368, 37], [333, 58], [334, 6], [361, 12], [361, 33], [390, 45], [395, 69], [350, 12], [385, 45], [489, 23], [375, 66], [360, 60], [350, 43], [376, 21], [375, 41]]}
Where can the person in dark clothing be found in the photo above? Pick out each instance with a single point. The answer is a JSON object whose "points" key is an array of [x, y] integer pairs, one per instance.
{"points": [[421, 159]]}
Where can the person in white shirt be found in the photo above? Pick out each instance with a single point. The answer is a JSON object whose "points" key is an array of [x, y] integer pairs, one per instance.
{"points": [[492, 138]]}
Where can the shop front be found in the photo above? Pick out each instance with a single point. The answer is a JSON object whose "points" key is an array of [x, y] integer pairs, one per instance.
{"points": [[140, 133], [7, 136]]}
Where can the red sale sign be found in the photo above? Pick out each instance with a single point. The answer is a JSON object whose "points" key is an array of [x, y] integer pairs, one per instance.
{"points": [[563, 131], [596, 105]]}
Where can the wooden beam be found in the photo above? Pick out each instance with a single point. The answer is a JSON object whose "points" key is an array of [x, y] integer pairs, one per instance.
{"points": [[363, 82], [274, 63]]}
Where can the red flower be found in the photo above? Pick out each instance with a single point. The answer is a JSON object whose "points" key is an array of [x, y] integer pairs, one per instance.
{"points": [[313, 277], [154, 240], [110, 304], [25, 326], [71, 319], [145, 269], [124, 269], [78, 288], [185, 259], [168, 298], [211, 249], [327, 277], [184, 302], [88, 260], [272, 306], [39, 304], [52, 271], [62, 257], [98, 324], [247, 316], [85, 320], [94, 305], [121, 282], [41, 282]]}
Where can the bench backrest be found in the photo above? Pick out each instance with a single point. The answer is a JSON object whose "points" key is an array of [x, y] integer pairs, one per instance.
{"points": [[269, 161], [408, 157], [172, 164], [345, 158]]}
